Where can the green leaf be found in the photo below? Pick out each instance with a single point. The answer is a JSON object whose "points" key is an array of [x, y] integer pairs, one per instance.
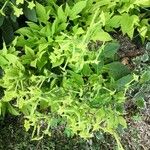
{"points": [[30, 14], [12, 110], [127, 24], [29, 56], [103, 19], [116, 69], [11, 58], [24, 31], [145, 3], [58, 62], [86, 71], [67, 9], [1, 20], [3, 61], [111, 49], [101, 36], [124, 81], [29, 52], [33, 26], [41, 13], [114, 22], [122, 121], [145, 77], [77, 8], [61, 14], [140, 102], [7, 31]]}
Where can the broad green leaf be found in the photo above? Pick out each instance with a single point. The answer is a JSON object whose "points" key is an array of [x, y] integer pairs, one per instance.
{"points": [[25, 31], [61, 14], [7, 31], [110, 49], [54, 26], [67, 9], [114, 22], [142, 31], [77, 8], [124, 81], [117, 70], [58, 62], [29, 52], [9, 96], [33, 26], [29, 56], [127, 24], [86, 71], [101, 36], [41, 62], [11, 58], [30, 14], [3, 61], [145, 3], [41, 13], [78, 30], [42, 47]]}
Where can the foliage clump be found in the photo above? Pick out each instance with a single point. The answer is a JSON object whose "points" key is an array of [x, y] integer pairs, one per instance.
{"points": [[52, 77]]}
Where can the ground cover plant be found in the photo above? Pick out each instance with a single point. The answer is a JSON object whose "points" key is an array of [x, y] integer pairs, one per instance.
{"points": [[53, 74]]}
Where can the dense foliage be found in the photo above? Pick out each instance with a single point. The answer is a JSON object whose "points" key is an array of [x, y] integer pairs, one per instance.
{"points": [[53, 75]]}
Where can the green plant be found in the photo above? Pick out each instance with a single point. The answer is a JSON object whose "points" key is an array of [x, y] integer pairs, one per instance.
{"points": [[113, 14], [52, 78]]}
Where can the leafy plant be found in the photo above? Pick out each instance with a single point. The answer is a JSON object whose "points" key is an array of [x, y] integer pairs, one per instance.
{"points": [[52, 78]]}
